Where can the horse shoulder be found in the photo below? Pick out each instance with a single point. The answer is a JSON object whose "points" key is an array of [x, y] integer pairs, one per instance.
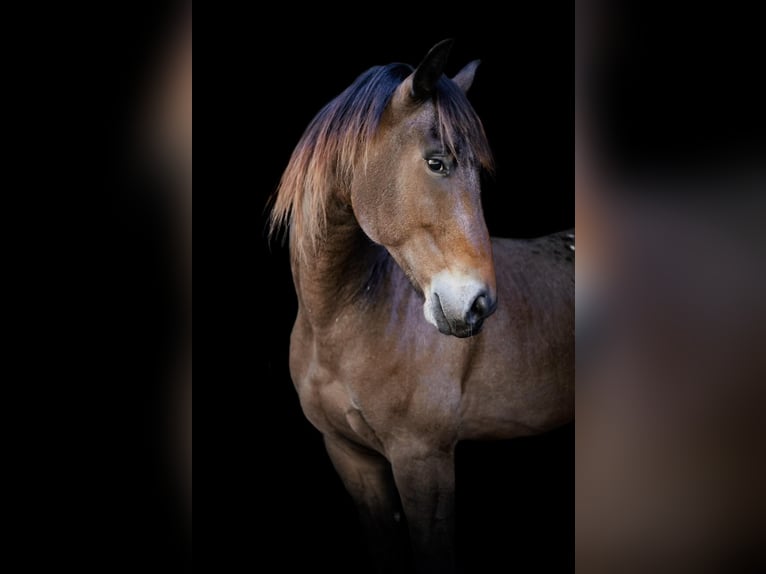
{"points": [[525, 356]]}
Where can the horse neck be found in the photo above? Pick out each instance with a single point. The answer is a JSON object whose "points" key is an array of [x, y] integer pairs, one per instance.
{"points": [[344, 267]]}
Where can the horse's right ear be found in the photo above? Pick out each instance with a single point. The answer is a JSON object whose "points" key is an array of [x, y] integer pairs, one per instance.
{"points": [[420, 85], [429, 71]]}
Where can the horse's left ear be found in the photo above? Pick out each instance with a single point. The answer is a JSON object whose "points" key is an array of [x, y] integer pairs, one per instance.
{"points": [[464, 78]]}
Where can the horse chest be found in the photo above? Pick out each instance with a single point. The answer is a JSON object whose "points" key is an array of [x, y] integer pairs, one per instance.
{"points": [[357, 396], [333, 407]]}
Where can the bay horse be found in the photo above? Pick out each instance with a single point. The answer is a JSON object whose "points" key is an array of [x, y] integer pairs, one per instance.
{"points": [[393, 353]]}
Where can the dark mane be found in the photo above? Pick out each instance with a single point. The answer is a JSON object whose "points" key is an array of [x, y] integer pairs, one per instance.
{"points": [[337, 138]]}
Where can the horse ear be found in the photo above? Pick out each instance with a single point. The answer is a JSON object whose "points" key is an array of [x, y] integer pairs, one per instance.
{"points": [[464, 78], [429, 71]]}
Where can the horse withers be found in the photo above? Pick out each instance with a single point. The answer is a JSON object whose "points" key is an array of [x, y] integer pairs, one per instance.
{"points": [[415, 329]]}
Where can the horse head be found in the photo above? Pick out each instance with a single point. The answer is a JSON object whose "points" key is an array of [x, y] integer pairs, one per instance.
{"points": [[418, 194]]}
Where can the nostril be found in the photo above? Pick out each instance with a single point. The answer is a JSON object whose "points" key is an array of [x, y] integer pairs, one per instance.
{"points": [[479, 306], [478, 309]]}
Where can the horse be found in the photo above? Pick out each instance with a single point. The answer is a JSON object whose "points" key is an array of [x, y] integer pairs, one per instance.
{"points": [[415, 329]]}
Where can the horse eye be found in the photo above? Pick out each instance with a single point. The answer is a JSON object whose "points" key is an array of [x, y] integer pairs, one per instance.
{"points": [[436, 165]]}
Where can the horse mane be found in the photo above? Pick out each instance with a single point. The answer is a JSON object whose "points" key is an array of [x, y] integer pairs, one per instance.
{"points": [[337, 138]]}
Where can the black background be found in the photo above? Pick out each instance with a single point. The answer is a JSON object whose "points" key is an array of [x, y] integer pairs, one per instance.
{"points": [[512, 497]]}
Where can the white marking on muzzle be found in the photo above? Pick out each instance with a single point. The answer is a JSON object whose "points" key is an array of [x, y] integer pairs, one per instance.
{"points": [[454, 292]]}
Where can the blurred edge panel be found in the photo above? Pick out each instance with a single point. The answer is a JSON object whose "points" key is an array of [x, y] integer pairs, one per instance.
{"points": [[670, 155]]}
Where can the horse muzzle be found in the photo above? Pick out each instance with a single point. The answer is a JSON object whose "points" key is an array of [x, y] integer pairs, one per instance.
{"points": [[458, 306]]}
